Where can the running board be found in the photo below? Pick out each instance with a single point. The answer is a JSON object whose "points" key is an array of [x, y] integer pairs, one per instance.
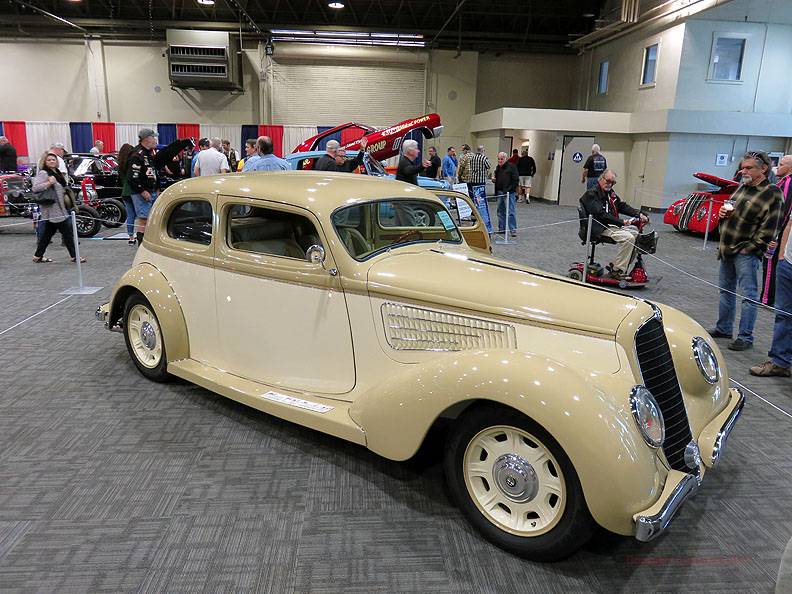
{"points": [[322, 414]]}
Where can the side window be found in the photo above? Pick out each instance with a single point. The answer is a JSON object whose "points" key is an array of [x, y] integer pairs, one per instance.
{"points": [[649, 71], [269, 231], [602, 79], [191, 221], [461, 212]]}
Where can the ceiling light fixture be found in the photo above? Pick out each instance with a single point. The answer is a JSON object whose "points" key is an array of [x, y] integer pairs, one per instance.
{"points": [[206, 2], [336, 5]]}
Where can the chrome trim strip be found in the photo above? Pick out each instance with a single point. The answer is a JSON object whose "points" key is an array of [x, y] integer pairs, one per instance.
{"points": [[650, 527], [723, 434]]}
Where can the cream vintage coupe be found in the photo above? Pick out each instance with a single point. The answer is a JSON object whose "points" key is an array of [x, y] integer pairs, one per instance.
{"points": [[355, 306]]}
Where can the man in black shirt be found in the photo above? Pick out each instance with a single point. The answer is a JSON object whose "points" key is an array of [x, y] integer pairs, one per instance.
{"points": [[409, 165], [8, 155], [142, 174], [594, 167], [349, 165], [331, 161], [433, 171], [526, 167], [506, 179]]}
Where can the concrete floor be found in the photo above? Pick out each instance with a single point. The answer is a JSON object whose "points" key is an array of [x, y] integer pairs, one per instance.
{"points": [[111, 483]]}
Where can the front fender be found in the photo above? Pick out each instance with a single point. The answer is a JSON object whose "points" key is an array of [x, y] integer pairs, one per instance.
{"points": [[617, 470], [150, 282]]}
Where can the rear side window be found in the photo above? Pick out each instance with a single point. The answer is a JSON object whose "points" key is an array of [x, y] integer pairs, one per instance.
{"points": [[269, 231], [191, 221]]}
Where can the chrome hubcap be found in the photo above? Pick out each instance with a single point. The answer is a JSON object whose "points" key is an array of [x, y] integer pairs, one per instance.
{"points": [[147, 336], [515, 476]]}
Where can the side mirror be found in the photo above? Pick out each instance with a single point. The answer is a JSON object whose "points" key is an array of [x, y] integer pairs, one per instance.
{"points": [[315, 255]]}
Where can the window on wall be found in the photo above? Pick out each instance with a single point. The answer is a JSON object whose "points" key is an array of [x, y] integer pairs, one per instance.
{"points": [[649, 73], [602, 81], [727, 58]]}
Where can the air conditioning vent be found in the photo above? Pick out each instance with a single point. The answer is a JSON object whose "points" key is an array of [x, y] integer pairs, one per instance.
{"points": [[417, 329], [205, 52], [199, 70]]}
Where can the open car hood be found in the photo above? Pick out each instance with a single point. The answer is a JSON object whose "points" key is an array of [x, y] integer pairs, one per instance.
{"points": [[715, 180], [494, 287]]}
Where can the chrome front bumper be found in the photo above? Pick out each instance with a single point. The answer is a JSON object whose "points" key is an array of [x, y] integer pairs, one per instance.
{"points": [[679, 486]]}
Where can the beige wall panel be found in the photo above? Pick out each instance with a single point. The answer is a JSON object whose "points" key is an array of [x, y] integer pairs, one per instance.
{"points": [[452, 94]]}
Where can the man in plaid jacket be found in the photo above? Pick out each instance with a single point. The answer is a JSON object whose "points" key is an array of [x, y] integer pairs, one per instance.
{"points": [[749, 222]]}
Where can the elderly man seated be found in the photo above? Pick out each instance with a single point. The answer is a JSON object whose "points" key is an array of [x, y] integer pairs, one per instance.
{"points": [[614, 219]]}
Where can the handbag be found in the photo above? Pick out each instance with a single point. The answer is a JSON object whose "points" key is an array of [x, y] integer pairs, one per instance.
{"points": [[48, 196], [69, 198]]}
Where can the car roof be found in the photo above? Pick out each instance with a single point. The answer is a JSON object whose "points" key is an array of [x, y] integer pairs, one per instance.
{"points": [[321, 192]]}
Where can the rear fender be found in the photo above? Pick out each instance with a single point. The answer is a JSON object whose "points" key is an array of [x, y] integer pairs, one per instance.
{"points": [[149, 281], [591, 420]]}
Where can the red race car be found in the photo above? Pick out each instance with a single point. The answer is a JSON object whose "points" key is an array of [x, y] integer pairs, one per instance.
{"points": [[690, 213], [382, 144]]}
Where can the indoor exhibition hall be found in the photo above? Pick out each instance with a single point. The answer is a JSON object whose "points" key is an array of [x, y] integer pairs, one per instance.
{"points": [[395, 296]]}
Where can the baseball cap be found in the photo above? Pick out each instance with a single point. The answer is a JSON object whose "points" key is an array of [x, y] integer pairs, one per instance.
{"points": [[146, 132]]}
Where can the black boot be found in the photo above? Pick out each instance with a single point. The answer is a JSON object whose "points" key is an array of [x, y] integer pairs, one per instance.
{"points": [[139, 236]]}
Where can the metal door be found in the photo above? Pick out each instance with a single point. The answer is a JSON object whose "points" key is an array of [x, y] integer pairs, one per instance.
{"points": [[576, 150]]}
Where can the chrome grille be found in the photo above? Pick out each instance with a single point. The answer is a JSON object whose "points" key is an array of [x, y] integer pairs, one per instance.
{"points": [[659, 375], [418, 329], [691, 205]]}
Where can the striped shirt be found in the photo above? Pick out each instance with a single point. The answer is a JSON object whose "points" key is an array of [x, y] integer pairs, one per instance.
{"points": [[755, 221], [474, 168]]}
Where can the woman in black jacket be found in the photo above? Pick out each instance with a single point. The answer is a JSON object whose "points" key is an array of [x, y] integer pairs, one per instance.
{"points": [[54, 215]]}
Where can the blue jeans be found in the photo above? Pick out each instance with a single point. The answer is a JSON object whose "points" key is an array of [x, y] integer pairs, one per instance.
{"points": [[143, 206], [130, 212], [502, 211], [781, 349], [739, 274]]}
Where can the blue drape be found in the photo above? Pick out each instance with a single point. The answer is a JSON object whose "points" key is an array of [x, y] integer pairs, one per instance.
{"points": [[323, 142], [1, 128], [81, 136], [248, 131], [167, 133]]}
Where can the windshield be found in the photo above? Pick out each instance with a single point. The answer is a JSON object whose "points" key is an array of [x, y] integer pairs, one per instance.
{"points": [[371, 227]]}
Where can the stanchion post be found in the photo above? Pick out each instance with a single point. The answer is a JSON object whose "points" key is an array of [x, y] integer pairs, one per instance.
{"points": [[706, 230], [588, 247], [81, 289]]}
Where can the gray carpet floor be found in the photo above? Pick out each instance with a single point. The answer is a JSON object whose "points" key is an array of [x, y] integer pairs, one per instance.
{"points": [[110, 483]]}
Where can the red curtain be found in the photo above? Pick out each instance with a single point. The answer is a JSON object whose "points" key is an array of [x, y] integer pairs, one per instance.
{"points": [[105, 131], [188, 131], [276, 133], [17, 136], [351, 134]]}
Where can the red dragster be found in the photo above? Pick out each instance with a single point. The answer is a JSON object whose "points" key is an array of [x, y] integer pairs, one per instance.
{"points": [[690, 213], [382, 144]]}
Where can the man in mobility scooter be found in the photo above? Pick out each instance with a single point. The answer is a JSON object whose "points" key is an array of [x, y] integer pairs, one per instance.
{"points": [[615, 222]]}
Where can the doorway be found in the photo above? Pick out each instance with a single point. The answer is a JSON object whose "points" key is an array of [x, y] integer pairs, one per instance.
{"points": [[575, 152]]}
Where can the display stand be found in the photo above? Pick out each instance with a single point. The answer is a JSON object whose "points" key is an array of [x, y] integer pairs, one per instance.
{"points": [[81, 289]]}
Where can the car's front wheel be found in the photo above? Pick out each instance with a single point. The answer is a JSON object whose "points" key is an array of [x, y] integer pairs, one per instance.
{"points": [[143, 337], [516, 485]]}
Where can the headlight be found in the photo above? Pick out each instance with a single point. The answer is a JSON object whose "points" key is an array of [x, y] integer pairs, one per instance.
{"points": [[647, 416], [706, 360]]}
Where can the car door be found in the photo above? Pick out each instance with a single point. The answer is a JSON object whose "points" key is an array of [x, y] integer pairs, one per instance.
{"points": [[467, 218], [282, 320]]}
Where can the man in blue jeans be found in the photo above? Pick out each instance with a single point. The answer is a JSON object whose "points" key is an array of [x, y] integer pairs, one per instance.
{"points": [[749, 222], [780, 362], [506, 180]]}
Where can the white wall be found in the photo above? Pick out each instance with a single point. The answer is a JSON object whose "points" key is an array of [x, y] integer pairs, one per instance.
{"points": [[764, 86], [541, 145], [625, 56], [451, 92]]}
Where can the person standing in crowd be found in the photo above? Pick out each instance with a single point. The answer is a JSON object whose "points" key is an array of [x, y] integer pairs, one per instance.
{"points": [[615, 219], [267, 160], [250, 153], [506, 181], [474, 169], [203, 144], [515, 156], [211, 161], [97, 149], [59, 150], [526, 167], [433, 170], [142, 176], [350, 165], [770, 261], [327, 162], [55, 215], [463, 171], [126, 191], [449, 165], [748, 223], [780, 363], [230, 154], [409, 164], [594, 167], [8, 155]]}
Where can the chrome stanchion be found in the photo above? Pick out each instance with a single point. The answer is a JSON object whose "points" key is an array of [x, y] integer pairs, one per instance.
{"points": [[81, 289], [588, 247], [706, 230]]}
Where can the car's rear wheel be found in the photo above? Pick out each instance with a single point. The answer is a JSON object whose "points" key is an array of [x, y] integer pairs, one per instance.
{"points": [[143, 337], [516, 485], [112, 213], [88, 221]]}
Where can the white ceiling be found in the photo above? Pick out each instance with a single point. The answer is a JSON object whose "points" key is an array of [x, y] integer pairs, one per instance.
{"points": [[753, 11]]}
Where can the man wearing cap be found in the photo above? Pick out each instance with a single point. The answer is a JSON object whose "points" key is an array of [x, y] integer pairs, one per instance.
{"points": [[143, 178], [59, 151]]}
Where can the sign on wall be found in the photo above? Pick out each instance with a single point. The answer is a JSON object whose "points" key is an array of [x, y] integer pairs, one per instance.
{"points": [[577, 157], [721, 160]]}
